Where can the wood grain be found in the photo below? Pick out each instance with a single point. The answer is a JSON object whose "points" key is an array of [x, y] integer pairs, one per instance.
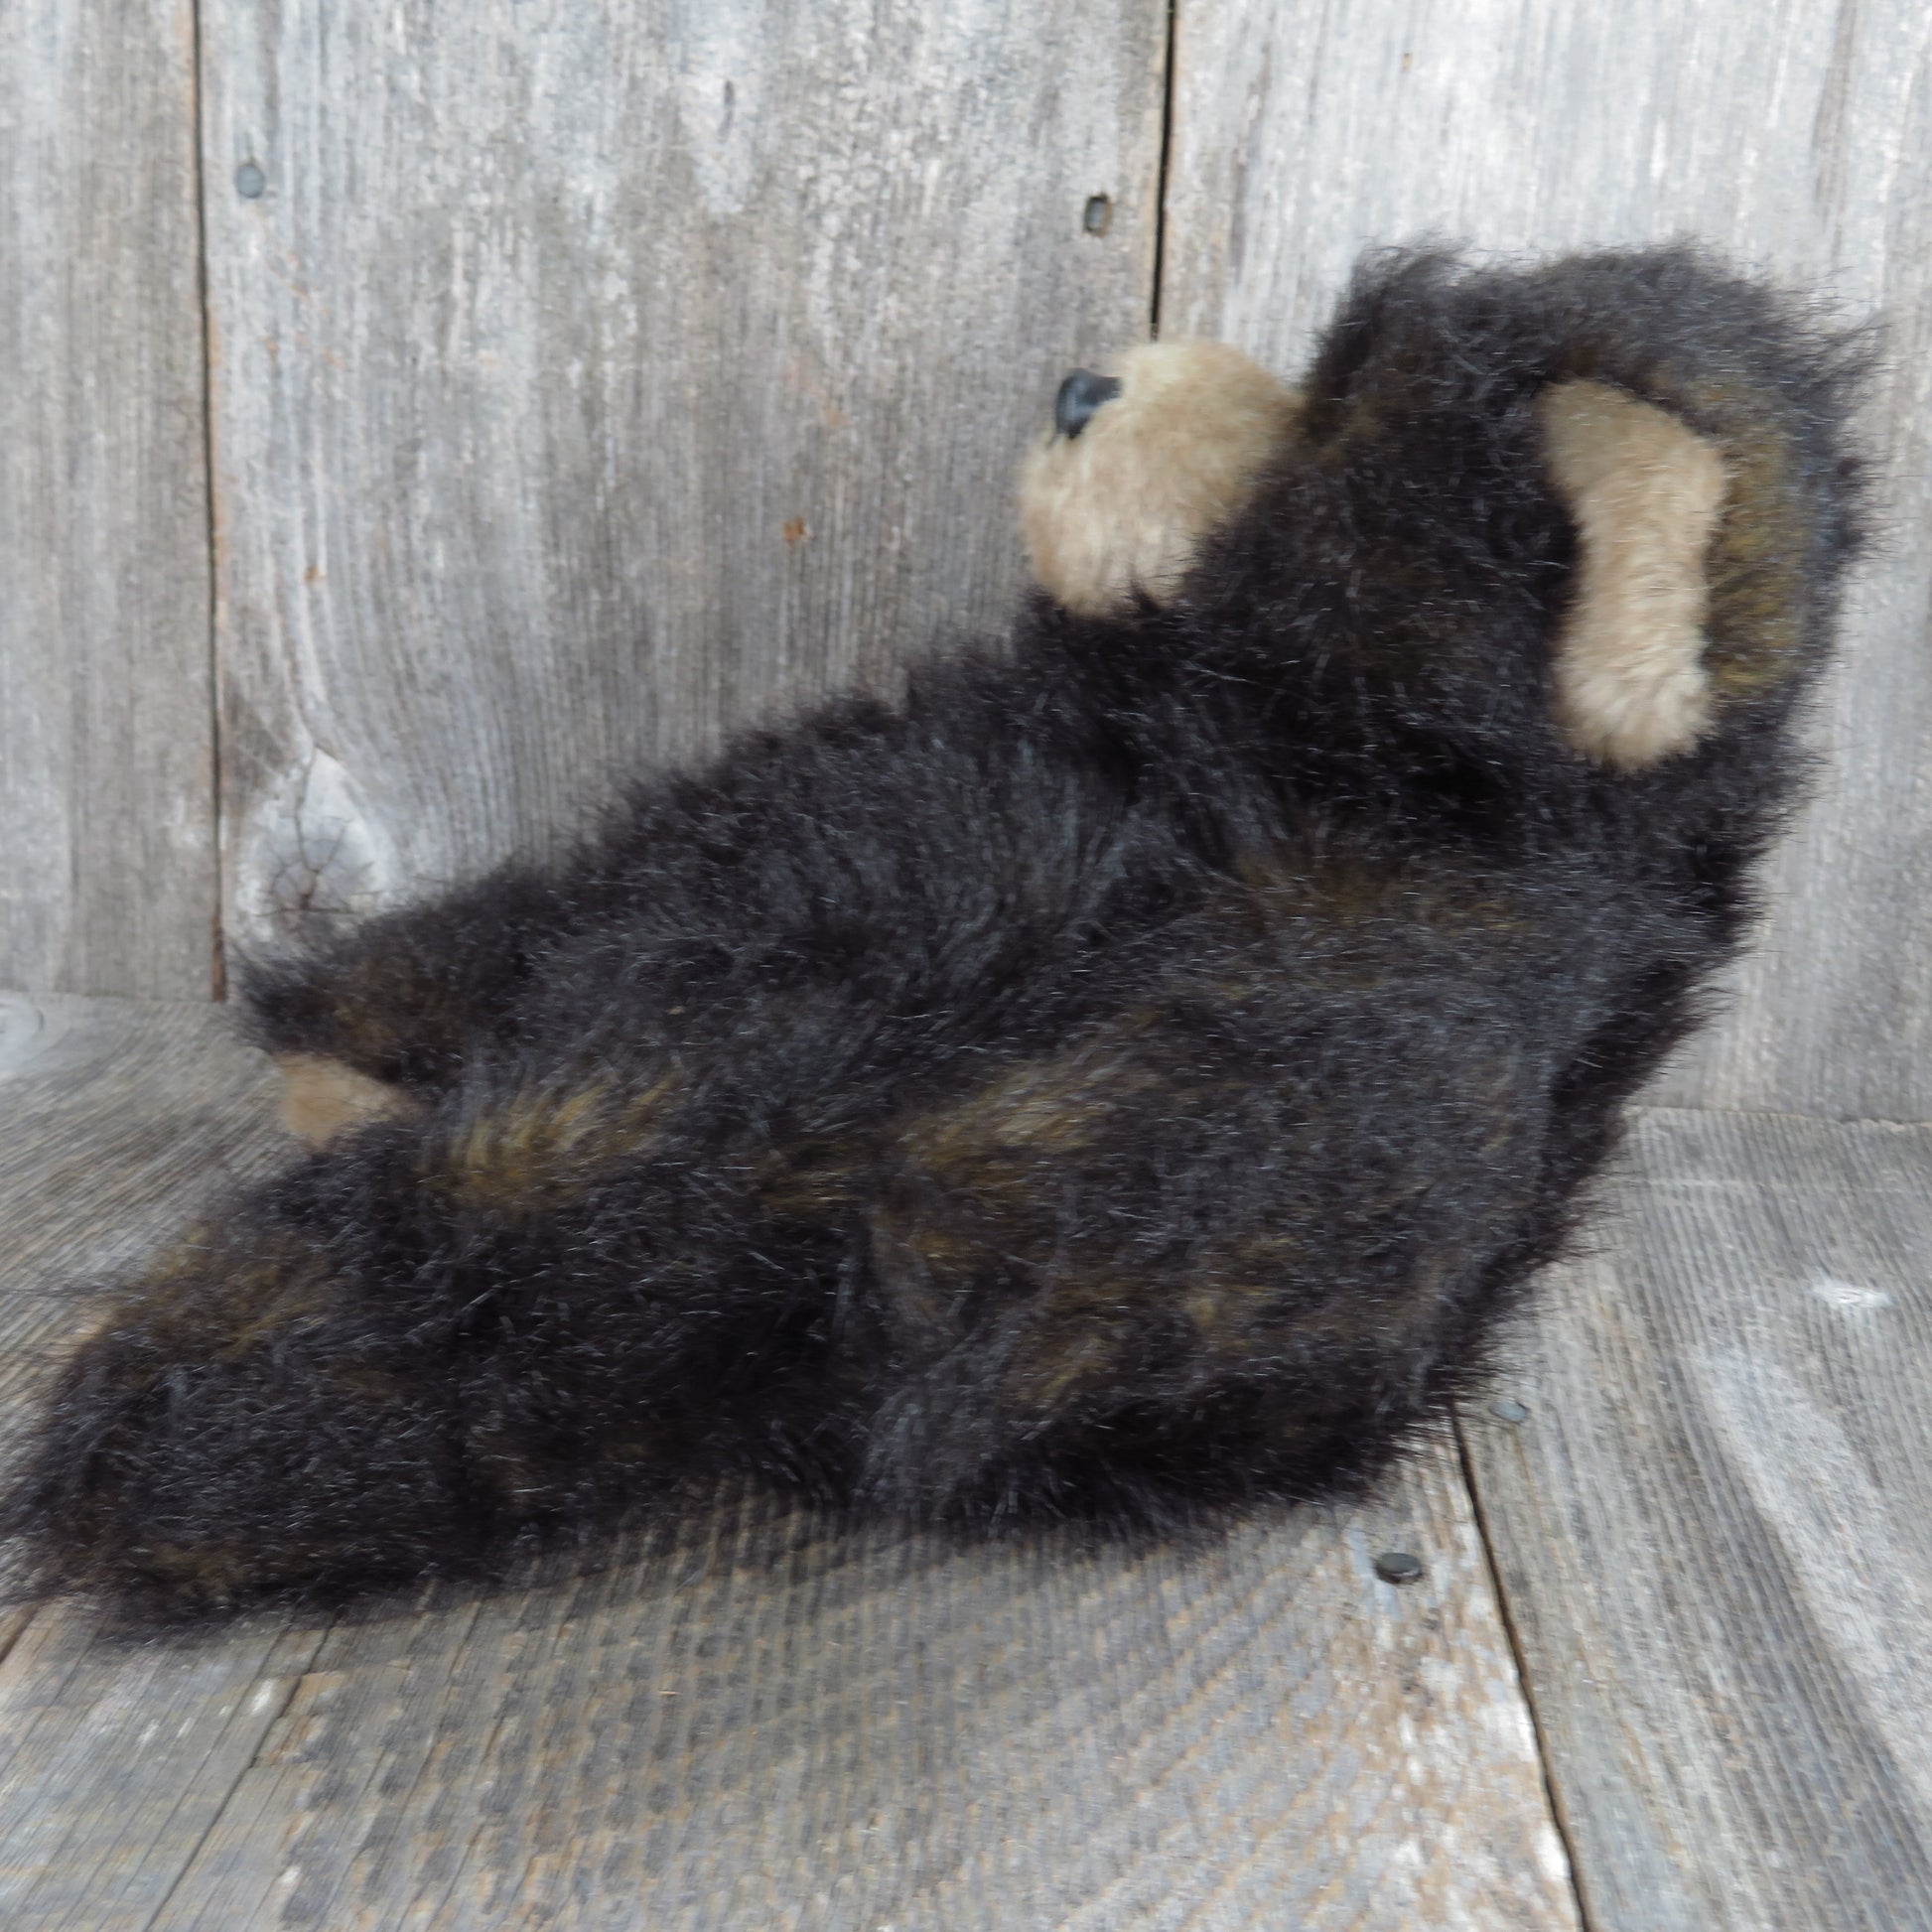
{"points": [[121, 1116], [1715, 1530], [778, 1722], [115, 1759], [592, 379], [106, 772], [1792, 136], [764, 1717]]}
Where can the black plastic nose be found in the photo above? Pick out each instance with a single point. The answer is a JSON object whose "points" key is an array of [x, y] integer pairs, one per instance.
{"points": [[1080, 395]]}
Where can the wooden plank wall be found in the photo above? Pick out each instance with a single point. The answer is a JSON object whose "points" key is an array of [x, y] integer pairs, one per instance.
{"points": [[107, 725], [587, 381], [590, 379]]}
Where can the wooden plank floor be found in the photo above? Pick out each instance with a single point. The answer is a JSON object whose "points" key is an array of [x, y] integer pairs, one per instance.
{"points": [[1715, 1529], [1709, 1518], [771, 1719]]}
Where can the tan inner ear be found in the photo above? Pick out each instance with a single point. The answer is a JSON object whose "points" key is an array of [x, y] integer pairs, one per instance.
{"points": [[1645, 490], [322, 1099], [1126, 505]]}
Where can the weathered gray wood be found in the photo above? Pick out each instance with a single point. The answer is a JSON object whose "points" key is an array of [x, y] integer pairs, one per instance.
{"points": [[106, 774], [857, 1731], [774, 1720], [115, 1761], [1715, 1531], [1791, 135], [587, 381]]}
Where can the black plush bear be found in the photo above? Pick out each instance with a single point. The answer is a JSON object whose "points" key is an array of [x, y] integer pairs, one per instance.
{"points": [[1128, 1076]]}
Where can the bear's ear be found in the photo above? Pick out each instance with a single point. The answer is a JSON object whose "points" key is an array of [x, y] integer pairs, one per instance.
{"points": [[1645, 491], [1143, 465]]}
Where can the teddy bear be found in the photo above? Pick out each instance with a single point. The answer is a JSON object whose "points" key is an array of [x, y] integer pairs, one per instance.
{"points": [[1124, 1079]]}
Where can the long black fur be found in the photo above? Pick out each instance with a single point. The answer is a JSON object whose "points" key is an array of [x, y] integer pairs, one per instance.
{"points": [[1127, 1077]]}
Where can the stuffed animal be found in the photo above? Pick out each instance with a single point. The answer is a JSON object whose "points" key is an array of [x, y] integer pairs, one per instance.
{"points": [[1127, 1077]]}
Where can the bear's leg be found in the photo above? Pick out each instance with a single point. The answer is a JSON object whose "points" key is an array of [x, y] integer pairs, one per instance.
{"points": [[384, 1017], [377, 1022], [528, 1309]]}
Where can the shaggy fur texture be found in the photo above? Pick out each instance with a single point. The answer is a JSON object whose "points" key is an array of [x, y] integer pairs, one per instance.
{"points": [[1128, 1077]]}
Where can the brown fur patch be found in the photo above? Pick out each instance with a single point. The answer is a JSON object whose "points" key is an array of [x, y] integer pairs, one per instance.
{"points": [[1646, 492], [1127, 504], [322, 1099], [541, 1148], [1757, 564], [205, 1301], [974, 1186]]}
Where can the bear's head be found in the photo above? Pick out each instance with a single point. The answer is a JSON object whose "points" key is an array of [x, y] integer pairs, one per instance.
{"points": [[1149, 463], [1580, 508]]}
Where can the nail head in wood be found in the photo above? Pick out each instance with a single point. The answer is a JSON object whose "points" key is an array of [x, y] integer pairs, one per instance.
{"points": [[250, 180], [1397, 1566], [1099, 217], [1508, 1409]]}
